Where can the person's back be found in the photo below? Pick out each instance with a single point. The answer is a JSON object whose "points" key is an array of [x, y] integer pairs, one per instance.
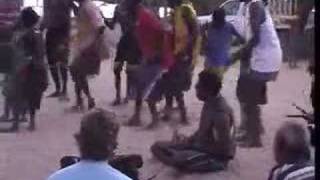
{"points": [[97, 140], [85, 170], [292, 154], [219, 44], [219, 38]]}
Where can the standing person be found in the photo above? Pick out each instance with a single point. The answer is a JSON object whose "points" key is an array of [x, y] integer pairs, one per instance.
{"points": [[154, 43], [127, 51], [57, 21], [212, 146], [261, 62], [305, 7], [97, 140], [86, 57], [219, 35], [28, 79], [187, 44], [292, 154]]}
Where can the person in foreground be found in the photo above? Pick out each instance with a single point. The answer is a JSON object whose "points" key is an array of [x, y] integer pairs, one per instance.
{"points": [[97, 141], [212, 146], [292, 154]]}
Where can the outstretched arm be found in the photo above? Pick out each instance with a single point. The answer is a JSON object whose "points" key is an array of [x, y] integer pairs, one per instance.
{"points": [[236, 33]]}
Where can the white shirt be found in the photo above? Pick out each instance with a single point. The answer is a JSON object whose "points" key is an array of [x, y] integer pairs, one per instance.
{"points": [[267, 55], [89, 20], [89, 170]]}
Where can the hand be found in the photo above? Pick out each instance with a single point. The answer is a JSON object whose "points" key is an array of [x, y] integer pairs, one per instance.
{"points": [[245, 54], [179, 138]]}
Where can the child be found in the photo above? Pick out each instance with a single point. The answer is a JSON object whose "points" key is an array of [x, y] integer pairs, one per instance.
{"points": [[219, 41]]}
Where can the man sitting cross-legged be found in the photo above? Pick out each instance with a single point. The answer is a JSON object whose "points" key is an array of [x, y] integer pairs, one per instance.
{"points": [[212, 146]]}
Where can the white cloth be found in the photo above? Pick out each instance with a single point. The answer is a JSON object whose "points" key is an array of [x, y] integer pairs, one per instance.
{"points": [[267, 55], [88, 170], [89, 20]]}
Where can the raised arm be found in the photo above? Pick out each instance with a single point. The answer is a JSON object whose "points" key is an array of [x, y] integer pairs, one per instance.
{"points": [[257, 17]]}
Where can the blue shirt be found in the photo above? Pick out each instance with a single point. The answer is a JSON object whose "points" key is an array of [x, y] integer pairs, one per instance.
{"points": [[89, 170], [219, 44]]}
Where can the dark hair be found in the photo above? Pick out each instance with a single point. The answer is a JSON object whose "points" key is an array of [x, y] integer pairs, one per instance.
{"points": [[219, 15], [210, 82], [97, 138], [29, 17], [266, 2], [291, 143]]}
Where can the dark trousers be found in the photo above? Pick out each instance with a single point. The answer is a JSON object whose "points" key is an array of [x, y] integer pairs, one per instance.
{"points": [[57, 55], [81, 85], [251, 94]]}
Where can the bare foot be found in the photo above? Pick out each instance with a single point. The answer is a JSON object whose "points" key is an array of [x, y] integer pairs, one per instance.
{"points": [[134, 121], [54, 94], [4, 118], [75, 109], [126, 100], [116, 102], [185, 121], [152, 125], [64, 97], [166, 117], [250, 144]]}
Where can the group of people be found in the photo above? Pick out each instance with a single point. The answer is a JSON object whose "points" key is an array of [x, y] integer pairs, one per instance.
{"points": [[97, 141], [160, 57]]}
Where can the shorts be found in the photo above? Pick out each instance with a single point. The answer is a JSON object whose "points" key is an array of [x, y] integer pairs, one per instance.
{"points": [[251, 91], [177, 80], [127, 51], [57, 45], [149, 81]]}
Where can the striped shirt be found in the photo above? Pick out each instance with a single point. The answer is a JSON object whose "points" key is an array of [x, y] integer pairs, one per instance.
{"points": [[293, 172]]}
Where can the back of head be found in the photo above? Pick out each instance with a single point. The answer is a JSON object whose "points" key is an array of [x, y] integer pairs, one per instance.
{"points": [[210, 82], [29, 17], [291, 144], [174, 3], [97, 138], [218, 16]]}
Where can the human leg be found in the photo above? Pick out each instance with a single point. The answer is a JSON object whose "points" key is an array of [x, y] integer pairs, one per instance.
{"points": [[253, 126], [64, 75], [182, 107], [154, 114], [84, 85], [51, 48], [32, 124], [6, 113], [135, 120], [117, 74]]}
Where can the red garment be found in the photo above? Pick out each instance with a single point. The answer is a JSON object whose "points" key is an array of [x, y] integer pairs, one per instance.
{"points": [[152, 38]]}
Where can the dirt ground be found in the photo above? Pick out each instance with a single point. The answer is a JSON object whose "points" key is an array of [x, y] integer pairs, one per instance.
{"points": [[34, 156]]}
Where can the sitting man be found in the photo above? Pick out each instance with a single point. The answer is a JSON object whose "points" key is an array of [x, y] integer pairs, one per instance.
{"points": [[97, 141], [212, 146], [292, 154]]}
